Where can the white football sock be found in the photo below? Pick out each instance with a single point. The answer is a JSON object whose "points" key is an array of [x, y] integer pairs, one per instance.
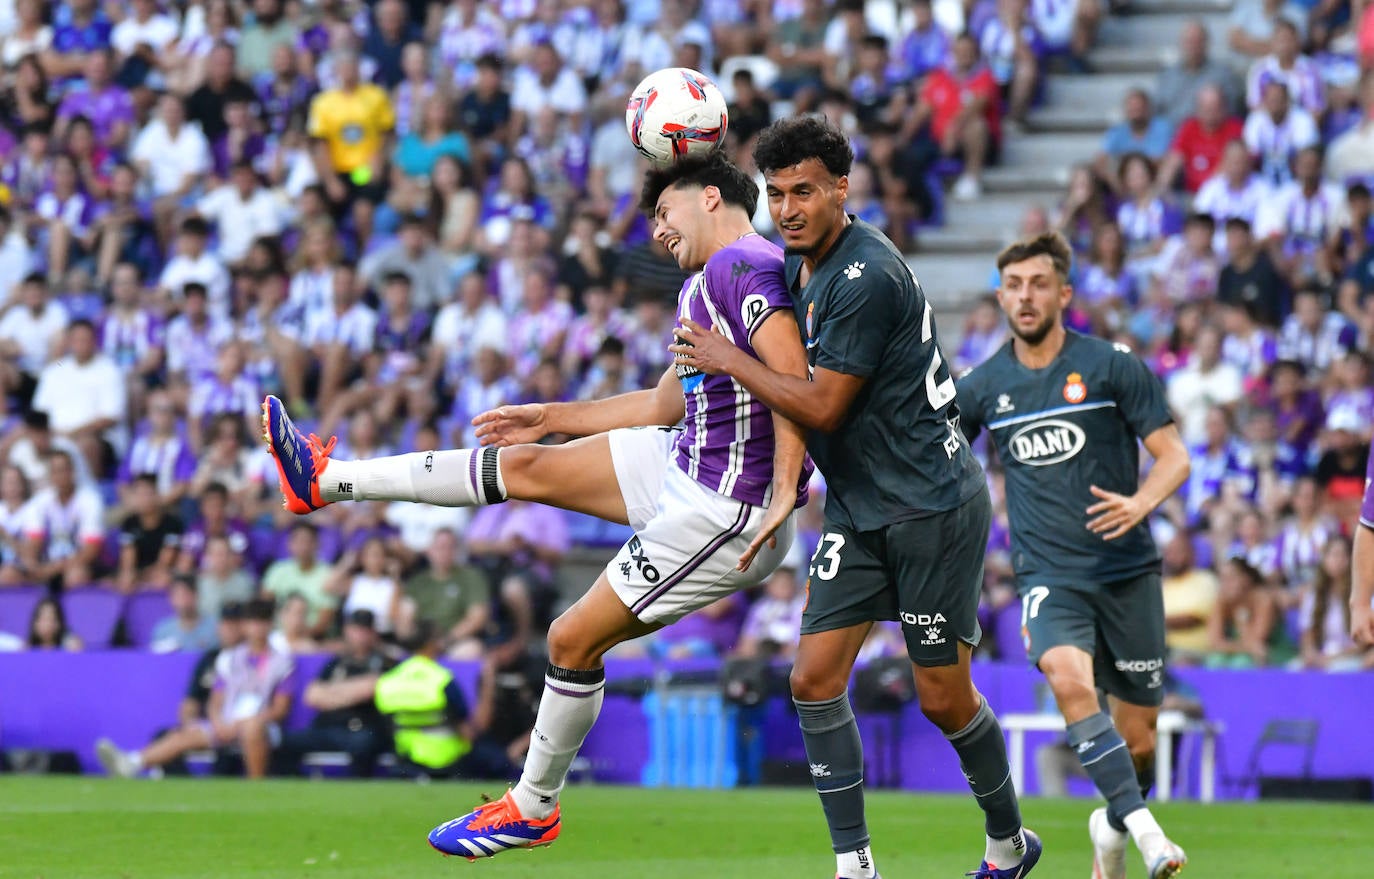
{"points": [[1004, 853], [448, 478], [571, 702], [857, 864], [1141, 824]]}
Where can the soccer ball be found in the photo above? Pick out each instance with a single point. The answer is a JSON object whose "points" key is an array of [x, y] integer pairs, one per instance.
{"points": [[674, 113]]}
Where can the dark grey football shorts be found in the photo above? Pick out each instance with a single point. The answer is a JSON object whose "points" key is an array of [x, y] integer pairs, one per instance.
{"points": [[926, 572]]}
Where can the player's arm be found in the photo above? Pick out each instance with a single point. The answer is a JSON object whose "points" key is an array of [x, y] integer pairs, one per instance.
{"points": [[779, 346], [1116, 514], [661, 405], [1362, 575], [818, 404]]}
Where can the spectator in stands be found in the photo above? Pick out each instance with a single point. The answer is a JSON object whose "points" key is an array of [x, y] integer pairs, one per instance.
{"points": [[1354, 235], [343, 696], [1300, 541], [222, 578], [28, 448], [1276, 131], [414, 255], [229, 461], [48, 628], [1233, 192], [1301, 217], [149, 538], [772, 624], [1255, 24], [1104, 289], [248, 703], [1206, 381], [186, 629], [451, 596], [1344, 456], [1200, 141], [242, 211], [1012, 48], [1190, 599], [292, 633], [14, 496], [545, 82], [1084, 209], [123, 227], [1352, 154], [520, 544], [229, 634], [32, 333], [131, 334], [303, 573], [1187, 268], [1139, 131], [1326, 642], [963, 106], [162, 452], [216, 520], [352, 125], [63, 529], [221, 86], [1249, 347], [426, 709], [174, 157], [1243, 625], [61, 222], [1180, 85], [1250, 276], [369, 580], [193, 263], [340, 336], [107, 105], [1145, 218], [1288, 66], [798, 48]]}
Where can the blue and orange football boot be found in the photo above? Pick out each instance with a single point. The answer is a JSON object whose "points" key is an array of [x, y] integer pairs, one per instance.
{"points": [[1028, 862], [300, 458], [492, 828]]}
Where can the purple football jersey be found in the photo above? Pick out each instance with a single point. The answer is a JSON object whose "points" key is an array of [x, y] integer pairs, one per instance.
{"points": [[727, 445]]}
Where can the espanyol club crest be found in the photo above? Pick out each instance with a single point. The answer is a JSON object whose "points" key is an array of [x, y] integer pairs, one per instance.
{"points": [[1074, 389]]}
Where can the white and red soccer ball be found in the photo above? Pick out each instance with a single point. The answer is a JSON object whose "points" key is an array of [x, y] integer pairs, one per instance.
{"points": [[674, 113]]}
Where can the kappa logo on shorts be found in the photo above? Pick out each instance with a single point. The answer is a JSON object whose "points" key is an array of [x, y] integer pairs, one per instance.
{"points": [[640, 558]]}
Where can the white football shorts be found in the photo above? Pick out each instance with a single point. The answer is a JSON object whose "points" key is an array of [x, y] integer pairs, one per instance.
{"points": [[687, 539]]}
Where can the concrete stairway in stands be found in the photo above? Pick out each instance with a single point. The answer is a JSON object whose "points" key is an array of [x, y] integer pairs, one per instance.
{"points": [[954, 263]]}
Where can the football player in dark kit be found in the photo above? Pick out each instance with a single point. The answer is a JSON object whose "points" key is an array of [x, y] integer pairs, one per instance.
{"points": [[907, 510], [1065, 412]]}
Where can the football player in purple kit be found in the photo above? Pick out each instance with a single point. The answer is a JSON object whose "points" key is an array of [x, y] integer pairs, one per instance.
{"points": [[711, 502], [1362, 567]]}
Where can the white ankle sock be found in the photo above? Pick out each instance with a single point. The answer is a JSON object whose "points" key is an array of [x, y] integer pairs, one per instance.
{"points": [[857, 864], [571, 702], [1141, 824], [448, 478], [1007, 852]]}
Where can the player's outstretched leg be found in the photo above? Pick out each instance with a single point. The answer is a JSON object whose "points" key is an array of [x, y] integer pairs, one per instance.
{"points": [[310, 479], [529, 815]]}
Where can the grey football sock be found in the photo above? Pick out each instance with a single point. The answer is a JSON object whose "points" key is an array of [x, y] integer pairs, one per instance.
{"points": [[1104, 755], [837, 767], [982, 754]]}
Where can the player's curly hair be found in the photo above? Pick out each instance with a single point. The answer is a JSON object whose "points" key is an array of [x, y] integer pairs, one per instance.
{"points": [[736, 187], [1051, 244], [792, 141]]}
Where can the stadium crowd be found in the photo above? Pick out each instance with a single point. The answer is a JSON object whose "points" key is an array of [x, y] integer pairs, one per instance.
{"points": [[399, 214]]}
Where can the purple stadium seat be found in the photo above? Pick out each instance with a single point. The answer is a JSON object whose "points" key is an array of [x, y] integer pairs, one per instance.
{"points": [[142, 612], [92, 613], [16, 608]]}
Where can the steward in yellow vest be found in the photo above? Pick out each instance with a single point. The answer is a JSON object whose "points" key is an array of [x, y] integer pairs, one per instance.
{"points": [[426, 706]]}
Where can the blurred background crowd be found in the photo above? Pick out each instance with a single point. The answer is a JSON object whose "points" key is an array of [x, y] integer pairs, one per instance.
{"points": [[397, 214]]}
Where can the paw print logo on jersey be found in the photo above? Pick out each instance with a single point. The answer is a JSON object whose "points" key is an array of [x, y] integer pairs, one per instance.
{"points": [[854, 270], [1074, 389]]}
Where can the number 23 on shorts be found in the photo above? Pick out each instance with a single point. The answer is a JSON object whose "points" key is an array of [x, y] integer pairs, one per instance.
{"points": [[825, 564]]}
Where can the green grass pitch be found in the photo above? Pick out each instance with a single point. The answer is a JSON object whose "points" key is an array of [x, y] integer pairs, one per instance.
{"points": [[74, 828]]}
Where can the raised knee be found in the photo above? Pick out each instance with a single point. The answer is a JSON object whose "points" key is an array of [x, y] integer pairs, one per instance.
{"points": [[518, 462]]}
